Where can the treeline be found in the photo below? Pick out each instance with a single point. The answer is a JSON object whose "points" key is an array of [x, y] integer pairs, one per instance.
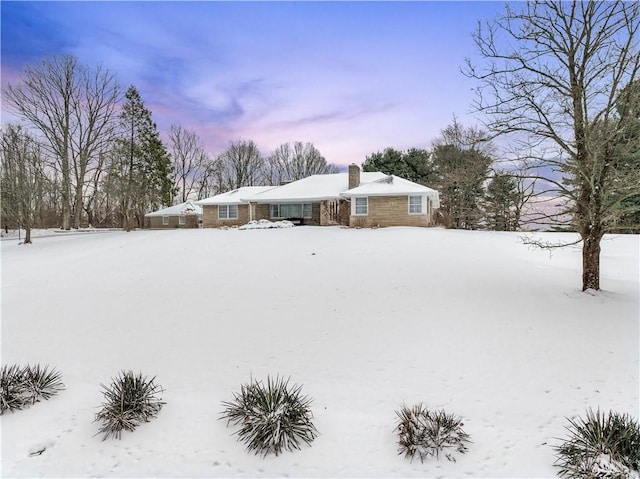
{"points": [[88, 153], [462, 166], [481, 190]]}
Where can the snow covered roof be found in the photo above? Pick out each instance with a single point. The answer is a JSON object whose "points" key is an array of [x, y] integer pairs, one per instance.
{"points": [[323, 187], [234, 196], [188, 207], [312, 188], [391, 185]]}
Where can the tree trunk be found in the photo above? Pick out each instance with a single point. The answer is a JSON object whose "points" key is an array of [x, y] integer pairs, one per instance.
{"points": [[27, 235], [77, 214], [591, 262], [66, 205], [126, 225]]}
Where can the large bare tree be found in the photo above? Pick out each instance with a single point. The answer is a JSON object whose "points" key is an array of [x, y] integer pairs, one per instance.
{"points": [[189, 161], [240, 165], [551, 74], [292, 162], [94, 114], [73, 107]]}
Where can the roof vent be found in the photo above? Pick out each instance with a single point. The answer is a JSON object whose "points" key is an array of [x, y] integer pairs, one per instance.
{"points": [[386, 179]]}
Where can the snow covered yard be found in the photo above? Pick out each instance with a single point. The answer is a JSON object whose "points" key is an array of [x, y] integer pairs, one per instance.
{"points": [[473, 322]]}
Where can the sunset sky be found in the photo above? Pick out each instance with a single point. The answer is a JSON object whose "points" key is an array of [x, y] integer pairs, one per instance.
{"points": [[350, 77]]}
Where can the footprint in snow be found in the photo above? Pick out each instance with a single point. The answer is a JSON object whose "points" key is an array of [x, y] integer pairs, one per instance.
{"points": [[39, 448]]}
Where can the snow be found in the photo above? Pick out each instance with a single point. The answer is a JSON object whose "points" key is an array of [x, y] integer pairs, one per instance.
{"points": [[15, 234], [234, 197], [606, 466], [266, 224], [475, 323], [177, 210], [313, 188]]}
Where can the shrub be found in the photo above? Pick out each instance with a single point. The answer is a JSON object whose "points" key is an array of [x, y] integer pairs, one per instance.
{"points": [[271, 417], [603, 446], [130, 400], [425, 433], [21, 387]]}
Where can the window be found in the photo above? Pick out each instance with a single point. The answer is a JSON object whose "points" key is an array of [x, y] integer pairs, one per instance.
{"points": [[227, 212], [306, 210], [165, 220], [290, 210], [415, 205], [181, 219], [362, 206]]}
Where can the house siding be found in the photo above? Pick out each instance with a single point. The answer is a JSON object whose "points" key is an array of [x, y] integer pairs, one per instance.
{"points": [[390, 211], [260, 211], [190, 221], [315, 215], [210, 217]]}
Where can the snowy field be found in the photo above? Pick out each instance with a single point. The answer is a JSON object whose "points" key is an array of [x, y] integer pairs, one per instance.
{"points": [[367, 320]]}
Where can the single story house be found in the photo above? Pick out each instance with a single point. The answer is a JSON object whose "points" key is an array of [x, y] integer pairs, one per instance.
{"points": [[357, 199], [184, 215], [229, 209], [391, 201]]}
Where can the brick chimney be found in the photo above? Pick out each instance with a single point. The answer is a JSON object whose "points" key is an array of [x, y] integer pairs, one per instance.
{"points": [[354, 175]]}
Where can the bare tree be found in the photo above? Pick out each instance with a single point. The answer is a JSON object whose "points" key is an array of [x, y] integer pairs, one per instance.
{"points": [[189, 161], [94, 113], [240, 165], [293, 162], [45, 98], [210, 183], [73, 107], [551, 76], [23, 178]]}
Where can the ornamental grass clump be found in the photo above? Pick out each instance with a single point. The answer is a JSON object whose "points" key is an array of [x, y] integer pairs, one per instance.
{"points": [[130, 401], [21, 387], [426, 433], [600, 445], [272, 417]]}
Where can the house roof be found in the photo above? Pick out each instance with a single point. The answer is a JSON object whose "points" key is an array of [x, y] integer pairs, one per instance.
{"points": [[391, 185], [234, 196], [323, 187], [312, 188], [188, 207]]}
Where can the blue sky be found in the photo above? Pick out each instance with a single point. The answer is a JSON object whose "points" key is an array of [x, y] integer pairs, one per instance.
{"points": [[350, 77]]}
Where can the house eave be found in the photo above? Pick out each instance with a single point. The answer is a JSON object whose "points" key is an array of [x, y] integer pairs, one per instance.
{"points": [[292, 200], [394, 193]]}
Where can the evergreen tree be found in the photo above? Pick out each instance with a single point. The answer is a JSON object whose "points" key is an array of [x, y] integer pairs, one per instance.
{"points": [[461, 160], [141, 170], [628, 148], [500, 203], [413, 165]]}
